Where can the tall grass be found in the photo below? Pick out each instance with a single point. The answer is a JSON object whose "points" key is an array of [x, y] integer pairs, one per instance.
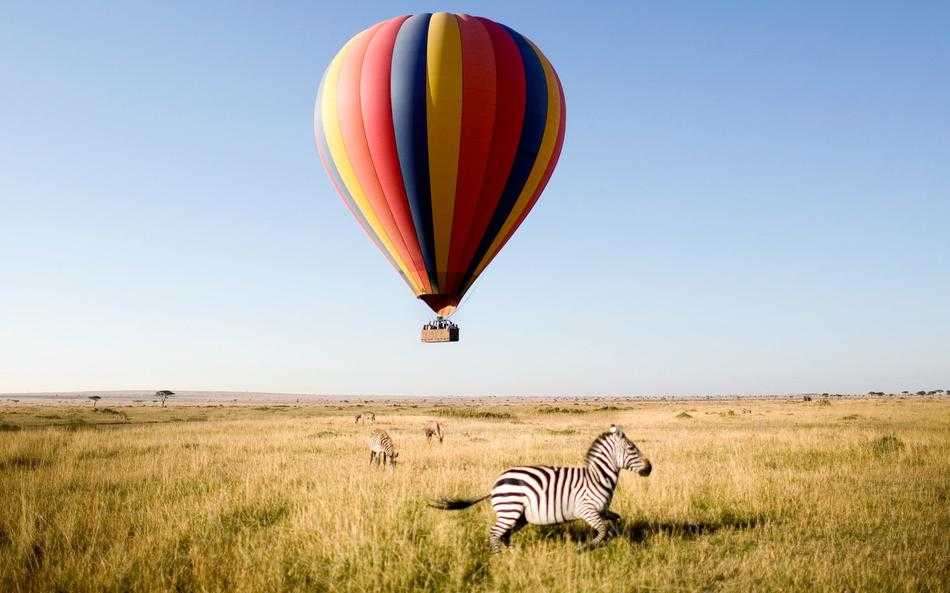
{"points": [[787, 497]]}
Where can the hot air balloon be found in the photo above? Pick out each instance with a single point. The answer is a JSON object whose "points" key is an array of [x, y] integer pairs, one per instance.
{"points": [[439, 131]]}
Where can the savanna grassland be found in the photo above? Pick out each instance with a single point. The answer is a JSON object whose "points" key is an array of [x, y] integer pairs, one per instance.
{"points": [[843, 495]]}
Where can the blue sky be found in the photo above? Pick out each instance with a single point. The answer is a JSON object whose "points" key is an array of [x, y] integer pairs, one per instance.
{"points": [[752, 197]]}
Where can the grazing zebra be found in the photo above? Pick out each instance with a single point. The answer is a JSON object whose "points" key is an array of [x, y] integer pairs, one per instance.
{"points": [[382, 450], [433, 429], [543, 495], [365, 417]]}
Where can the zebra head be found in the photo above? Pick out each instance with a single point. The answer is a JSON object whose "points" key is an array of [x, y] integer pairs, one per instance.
{"points": [[628, 455]]}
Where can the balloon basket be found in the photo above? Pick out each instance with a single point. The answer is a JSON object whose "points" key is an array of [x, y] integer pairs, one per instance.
{"points": [[440, 330]]}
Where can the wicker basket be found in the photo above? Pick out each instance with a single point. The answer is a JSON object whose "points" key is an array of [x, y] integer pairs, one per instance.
{"points": [[447, 334]]}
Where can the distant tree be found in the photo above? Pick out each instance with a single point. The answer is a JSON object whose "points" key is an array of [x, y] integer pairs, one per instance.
{"points": [[95, 400], [905, 392], [824, 395], [921, 393], [163, 396]]}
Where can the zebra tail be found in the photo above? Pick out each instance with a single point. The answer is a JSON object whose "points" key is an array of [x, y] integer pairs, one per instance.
{"points": [[455, 504]]}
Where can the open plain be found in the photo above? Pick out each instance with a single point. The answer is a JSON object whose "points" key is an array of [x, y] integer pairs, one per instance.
{"points": [[746, 495]]}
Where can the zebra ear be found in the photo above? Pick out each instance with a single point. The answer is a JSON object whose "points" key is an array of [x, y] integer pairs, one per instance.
{"points": [[616, 429]]}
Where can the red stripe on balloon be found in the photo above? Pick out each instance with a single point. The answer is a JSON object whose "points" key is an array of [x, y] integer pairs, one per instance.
{"points": [[506, 132], [546, 176], [381, 138], [479, 94], [354, 138]]}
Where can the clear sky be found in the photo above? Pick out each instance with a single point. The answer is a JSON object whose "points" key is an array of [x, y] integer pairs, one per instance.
{"points": [[752, 197]]}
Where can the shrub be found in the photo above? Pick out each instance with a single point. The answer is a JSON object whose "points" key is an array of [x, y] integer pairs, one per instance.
{"points": [[886, 444], [559, 410], [472, 412]]}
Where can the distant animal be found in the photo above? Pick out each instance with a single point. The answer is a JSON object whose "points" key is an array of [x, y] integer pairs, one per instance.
{"points": [[543, 495], [365, 417], [433, 429], [382, 450]]}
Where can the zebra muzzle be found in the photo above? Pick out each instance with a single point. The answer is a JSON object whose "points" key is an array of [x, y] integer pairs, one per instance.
{"points": [[646, 469]]}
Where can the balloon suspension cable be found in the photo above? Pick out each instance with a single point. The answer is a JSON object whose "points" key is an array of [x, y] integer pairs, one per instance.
{"points": [[439, 323]]}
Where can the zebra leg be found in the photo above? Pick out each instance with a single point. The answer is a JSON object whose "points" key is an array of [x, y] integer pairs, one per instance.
{"points": [[593, 518], [372, 457], [518, 526], [506, 523]]}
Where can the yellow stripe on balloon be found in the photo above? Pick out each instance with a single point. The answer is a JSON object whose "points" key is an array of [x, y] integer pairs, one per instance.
{"points": [[545, 153], [334, 136], [444, 121]]}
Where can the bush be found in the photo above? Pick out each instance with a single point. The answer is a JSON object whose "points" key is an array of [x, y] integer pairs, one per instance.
{"points": [[559, 410], [886, 444], [472, 412]]}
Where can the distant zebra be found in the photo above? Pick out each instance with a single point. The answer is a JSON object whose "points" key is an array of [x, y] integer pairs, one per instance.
{"points": [[381, 450], [433, 429], [543, 495], [365, 417]]}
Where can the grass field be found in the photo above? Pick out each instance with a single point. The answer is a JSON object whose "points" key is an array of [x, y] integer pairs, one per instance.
{"points": [[846, 495]]}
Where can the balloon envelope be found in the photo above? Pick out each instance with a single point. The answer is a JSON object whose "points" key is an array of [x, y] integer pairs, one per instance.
{"points": [[439, 131]]}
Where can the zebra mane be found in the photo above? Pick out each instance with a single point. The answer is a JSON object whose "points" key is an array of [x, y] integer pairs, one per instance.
{"points": [[598, 442]]}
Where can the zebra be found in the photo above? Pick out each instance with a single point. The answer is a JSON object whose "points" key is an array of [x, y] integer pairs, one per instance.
{"points": [[381, 450], [543, 495], [433, 429], [365, 417]]}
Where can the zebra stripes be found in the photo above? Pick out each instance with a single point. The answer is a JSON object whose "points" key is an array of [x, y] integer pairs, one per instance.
{"points": [[543, 495], [382, 450]]}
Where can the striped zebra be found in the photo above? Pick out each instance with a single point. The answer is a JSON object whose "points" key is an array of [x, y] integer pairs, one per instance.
{"points": [[433, 429], [381, 449], [543, 495]]}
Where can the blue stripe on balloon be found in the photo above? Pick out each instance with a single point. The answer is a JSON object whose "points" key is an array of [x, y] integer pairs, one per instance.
{"points": [[408, 96], [535, 118]]}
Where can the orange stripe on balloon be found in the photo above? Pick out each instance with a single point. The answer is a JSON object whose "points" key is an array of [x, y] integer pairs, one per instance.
{"points": [[354, 137], [381, 138], [336, 146]]}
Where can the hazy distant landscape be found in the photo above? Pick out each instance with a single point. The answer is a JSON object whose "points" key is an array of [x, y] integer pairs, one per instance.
{"points": [[145, 397], [828, 494]]}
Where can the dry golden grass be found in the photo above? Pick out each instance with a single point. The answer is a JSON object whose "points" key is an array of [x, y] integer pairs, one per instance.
{"points": [[745, 496]]}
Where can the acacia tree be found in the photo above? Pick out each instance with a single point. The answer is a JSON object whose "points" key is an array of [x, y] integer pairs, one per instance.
{"points": [[163, 396], [95, 400]]}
